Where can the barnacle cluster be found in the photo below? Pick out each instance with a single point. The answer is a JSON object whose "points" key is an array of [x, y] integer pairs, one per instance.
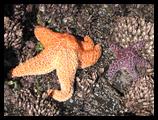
{"points": [[141, 10], [129, 30], [35, 105], [12, 33], [19, 11], [140, 98], [13, 27]]}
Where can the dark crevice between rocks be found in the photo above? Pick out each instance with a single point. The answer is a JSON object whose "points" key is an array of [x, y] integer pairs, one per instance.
{"points": [[8, 10], [125, 10], [10, 60], [29, 22], [129, 114]]}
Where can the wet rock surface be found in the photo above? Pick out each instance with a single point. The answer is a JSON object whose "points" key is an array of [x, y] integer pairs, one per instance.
{"points": [[94, 94]]}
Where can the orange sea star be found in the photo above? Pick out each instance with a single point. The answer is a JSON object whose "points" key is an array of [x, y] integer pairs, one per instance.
{"points": [[61, 52]]}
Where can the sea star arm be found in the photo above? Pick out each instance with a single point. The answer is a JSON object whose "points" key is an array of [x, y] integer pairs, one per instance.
{"points": [[66, 69], [87, 44], [138, 45], [113, 68], [40, 64], [132, 73], [140, 65], [89, 57], [46, 36], [141, 62], [118, 51]]}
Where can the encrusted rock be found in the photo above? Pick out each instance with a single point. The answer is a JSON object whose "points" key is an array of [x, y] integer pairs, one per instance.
{"points": [[140, 98], [12, 33], [18, 10], [35, 105]]}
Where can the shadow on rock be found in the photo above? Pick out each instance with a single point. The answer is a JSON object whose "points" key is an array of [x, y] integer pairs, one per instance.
{"points": [[10, 60]]}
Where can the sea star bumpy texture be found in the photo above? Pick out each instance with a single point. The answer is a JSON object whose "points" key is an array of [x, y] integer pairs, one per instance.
{"points": [[128, 59], [61, 52]]}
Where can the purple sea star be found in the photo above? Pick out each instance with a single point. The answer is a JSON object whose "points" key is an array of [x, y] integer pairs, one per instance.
{"points": [[128, 59]]}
